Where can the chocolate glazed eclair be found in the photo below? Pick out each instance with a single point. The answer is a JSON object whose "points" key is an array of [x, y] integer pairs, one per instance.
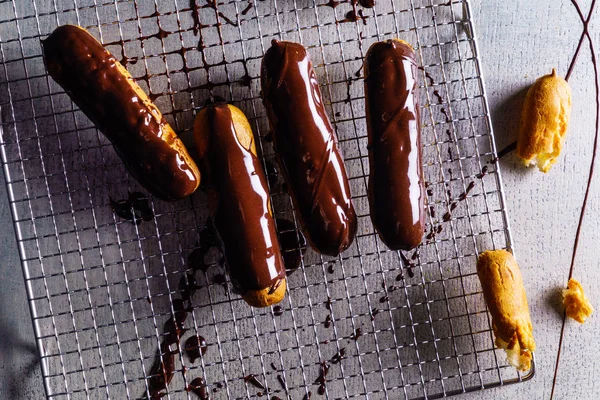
{"points": [[306, 148], [396, 192], [107, 94], [240, 204]]}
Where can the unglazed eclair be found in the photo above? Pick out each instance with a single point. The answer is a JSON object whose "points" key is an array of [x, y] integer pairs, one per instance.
{"points": [[105, 91], [240, 204], [306, 148], [506, 299], [396, 189], [544, 121]]}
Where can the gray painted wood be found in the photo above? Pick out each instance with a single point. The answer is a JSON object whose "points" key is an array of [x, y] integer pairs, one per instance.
{"points": [[517, 42]]}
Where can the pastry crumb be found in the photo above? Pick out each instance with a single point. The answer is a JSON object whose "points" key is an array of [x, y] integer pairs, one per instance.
{"points": [[576, 304]]}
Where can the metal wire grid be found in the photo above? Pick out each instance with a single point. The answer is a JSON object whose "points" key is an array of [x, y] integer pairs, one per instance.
{"points": [[100, 288]]}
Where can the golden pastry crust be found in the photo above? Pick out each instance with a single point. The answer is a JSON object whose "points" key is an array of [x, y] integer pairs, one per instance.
{"points": [[506, 299], [262, 298], [544, 121], [577, 306]]}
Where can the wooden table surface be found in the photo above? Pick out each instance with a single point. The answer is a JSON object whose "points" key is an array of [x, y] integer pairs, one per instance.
{"points": [[518, 42]]}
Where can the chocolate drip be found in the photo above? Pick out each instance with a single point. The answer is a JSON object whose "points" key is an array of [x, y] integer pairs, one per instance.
{"points": [[252, 379], [198, 387], [367, 3], [195, 346], [107, 94], [396, 190], [242, 218], [307, 148]]}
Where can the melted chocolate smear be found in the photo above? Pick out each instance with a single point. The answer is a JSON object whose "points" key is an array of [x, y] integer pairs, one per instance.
{"points": [[259, 394], [272, 173], [429, 192], [484, 172], [307, 396], [414, 256], [161, 34], [213, 4], [338, 356], [333, 3], [328, 321], [161, 371], [439, 229], [248, 8], [330, 268], [367, 3], [432, 211], [136, 208], [450, 154], [354, 15], [358, 331], [276, 398], [411, 273], [494, 160], [277, 311], [195, 346], [198, 387], [447, 217], [255, 382], [338, 114], [449, 134], [281, 381], [273, 367], [292, 242], [438, 97], [384, 299], [328, 303], [399, 277]]}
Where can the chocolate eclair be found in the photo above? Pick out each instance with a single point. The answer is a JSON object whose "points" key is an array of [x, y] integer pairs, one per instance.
{"points": [[396, 189], [240, 205], [307, 149], [107, 94]]}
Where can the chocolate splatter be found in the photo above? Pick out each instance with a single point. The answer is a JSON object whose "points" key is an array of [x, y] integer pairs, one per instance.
{"points": [[195, 346], [248, 8], [484, 172], [281, 381], [255, 382], [277, 311], [328, 303], [198, 387], [338, 356], [357, 333], [384, 299], [327, 322]]}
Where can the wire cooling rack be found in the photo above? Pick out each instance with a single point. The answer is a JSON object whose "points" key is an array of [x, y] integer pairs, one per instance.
{"points": [[101, 287]]}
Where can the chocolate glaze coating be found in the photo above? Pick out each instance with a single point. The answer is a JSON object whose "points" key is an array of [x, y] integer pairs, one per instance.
{"points": [[396, 190], [242, 216], [103, 89], [306, 148]]}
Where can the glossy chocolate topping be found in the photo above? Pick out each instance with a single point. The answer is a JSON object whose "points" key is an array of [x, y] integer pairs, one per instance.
{"points": [[242, 216], [107, 94], [396, 192], [307, 148]]}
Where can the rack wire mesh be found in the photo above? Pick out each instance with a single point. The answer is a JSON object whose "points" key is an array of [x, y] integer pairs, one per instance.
{"points": [[100, 287]]}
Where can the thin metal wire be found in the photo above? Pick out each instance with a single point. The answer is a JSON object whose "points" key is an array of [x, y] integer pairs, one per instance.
{"points": [[425, 336]]}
